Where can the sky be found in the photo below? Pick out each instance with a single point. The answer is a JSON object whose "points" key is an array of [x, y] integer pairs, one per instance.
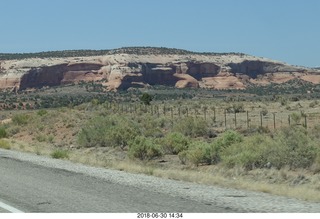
{"points": [[284, 30]]}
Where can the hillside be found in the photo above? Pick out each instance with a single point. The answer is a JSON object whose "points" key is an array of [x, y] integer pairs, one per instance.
{"points": [[144, 66]]}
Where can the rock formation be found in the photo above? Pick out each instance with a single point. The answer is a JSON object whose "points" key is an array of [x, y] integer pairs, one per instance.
{"points": [[122, 70]]}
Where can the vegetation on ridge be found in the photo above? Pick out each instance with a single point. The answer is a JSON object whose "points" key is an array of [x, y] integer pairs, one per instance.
{"points": [[125, 50]]}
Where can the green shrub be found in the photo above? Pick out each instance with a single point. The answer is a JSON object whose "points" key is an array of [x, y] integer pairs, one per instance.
{"points": [[235, 108], [112, 131], [290, 147], [4, 144], [3, 132], [193, 127], [313, 103], [144, 148], [300, 149], [151, 127], [174, 143], [42, 112], [146, 98], [41, 138], [20, 119], [296, 118], [60, 154], [250, 153], [199, 152], [222, 142]]}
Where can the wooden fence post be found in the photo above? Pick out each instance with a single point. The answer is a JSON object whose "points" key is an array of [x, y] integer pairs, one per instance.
{"points": [[289, 120], [247, 119], [171, 114], [235, 119], [260, 119], [225, 118], [305, 121], [274, 121]]}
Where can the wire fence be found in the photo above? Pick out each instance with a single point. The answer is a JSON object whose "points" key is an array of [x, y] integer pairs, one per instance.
{"points": [[222, 118]]}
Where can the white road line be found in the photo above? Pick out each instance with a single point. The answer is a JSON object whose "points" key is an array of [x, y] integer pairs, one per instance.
{"points": [[9, 208]]}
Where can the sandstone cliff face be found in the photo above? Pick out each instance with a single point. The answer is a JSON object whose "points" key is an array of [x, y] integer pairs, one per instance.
{"points": [[122, 71], [59, 74]]}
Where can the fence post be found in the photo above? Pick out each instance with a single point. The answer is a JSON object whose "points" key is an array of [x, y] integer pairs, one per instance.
{"points": [[260, 119], [214, 115], [289, 120], [247, 119], [235, 119], [171, 114], [305, 121], [179, 111], [205, 114], [225, 118], [274, 121], [187, 112]]}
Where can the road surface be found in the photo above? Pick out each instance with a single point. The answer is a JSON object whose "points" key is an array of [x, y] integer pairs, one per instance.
{"points": [[31, 183], [34, 188]]}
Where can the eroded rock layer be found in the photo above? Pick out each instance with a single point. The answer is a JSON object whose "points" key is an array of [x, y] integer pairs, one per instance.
{"points": [[122, 71]]}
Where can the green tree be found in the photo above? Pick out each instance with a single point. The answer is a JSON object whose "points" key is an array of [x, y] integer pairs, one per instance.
{"points": [[146, 98]]}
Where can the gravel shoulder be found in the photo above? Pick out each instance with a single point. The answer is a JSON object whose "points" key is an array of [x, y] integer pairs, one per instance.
{"points": [[233, 199]]}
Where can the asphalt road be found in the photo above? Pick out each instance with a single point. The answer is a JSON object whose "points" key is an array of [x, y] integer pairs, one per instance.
{"points": [[34, 188], [31, 183]]}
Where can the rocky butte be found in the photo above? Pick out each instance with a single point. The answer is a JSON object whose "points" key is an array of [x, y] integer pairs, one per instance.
{"points": [[143, 66]]}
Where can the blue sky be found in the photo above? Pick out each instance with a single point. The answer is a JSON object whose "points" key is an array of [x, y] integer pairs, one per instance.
{"points": [[285, 30]]}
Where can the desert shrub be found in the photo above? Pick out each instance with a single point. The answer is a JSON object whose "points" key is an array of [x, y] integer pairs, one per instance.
{"points": [[236, 108], [174, 143], [183, 157], [290, 147], [42, 112], [151, 127], [3, 132], [222, 142], [41, 138], [250, 153], [193, 127], [198, 152], [300, 149], [60, 154], [4, 144], [111, 131], [313, 103], [264, 111], [146, 98], [314, 132], [144, 148], [296, 118], [20, 119]]}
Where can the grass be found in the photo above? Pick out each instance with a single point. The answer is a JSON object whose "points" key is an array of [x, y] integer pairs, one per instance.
{"points": [[4, 144], [60, 154]]}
